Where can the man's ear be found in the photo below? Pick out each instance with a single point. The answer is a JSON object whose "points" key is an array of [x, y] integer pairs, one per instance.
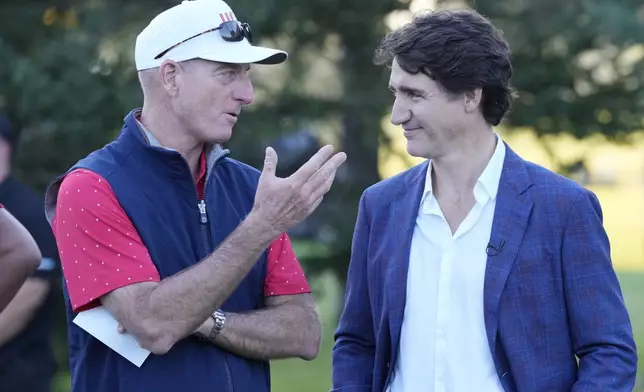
{"points": [[472, 99], [168, 73]]}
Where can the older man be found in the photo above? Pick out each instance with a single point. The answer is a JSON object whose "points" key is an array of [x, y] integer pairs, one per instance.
{"points": [[475, 270], [183, 245]]}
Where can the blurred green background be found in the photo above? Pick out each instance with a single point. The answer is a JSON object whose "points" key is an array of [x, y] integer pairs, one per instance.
{"points": [[67, 80]]}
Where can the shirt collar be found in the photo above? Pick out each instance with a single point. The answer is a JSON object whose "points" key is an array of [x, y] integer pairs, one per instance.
{"points": [[487, 185]]}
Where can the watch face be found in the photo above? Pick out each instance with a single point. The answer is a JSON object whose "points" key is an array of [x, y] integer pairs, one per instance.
{"points": [[220, 318]]}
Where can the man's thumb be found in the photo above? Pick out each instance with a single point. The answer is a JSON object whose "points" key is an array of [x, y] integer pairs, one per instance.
{"points": [[270, 161]]}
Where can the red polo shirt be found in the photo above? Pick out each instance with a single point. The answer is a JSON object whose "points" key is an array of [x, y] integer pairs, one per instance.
{"points": [[100, 250]]}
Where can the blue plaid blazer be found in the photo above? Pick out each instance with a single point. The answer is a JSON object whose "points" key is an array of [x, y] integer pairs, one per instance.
{"points": [[550, 294]]}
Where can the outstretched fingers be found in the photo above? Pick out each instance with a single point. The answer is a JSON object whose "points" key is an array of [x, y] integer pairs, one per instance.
{"points": [[270, 162], [304, 173], [320, 183]]}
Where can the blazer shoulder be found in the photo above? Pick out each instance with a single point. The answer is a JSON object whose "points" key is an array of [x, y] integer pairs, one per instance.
{"points": [[555, 188]]}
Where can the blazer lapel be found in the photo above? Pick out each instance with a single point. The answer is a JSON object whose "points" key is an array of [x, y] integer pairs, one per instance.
{"points": [[513, 207], [404, 209]]}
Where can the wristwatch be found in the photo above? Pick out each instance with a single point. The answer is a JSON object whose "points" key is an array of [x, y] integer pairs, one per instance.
{"points": [[219, 317]]}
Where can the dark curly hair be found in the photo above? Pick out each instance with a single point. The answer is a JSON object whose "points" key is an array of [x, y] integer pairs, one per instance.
{"points": [[460, 50]]}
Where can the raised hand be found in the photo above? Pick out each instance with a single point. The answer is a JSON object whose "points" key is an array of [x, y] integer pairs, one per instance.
{"points": [[284, 202]]}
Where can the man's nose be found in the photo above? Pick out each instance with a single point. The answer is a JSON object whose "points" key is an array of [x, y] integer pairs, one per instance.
{"points": [[244, 92], [399, 113]]}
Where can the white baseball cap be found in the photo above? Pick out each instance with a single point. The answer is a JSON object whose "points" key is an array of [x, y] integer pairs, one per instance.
{"points": [[204, 29]]}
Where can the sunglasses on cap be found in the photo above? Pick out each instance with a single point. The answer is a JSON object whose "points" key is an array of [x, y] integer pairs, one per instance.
{"points": [[231, 31]]}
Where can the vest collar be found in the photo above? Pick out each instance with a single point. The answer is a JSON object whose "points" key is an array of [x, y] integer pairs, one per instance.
{"points": [[214, 152]]}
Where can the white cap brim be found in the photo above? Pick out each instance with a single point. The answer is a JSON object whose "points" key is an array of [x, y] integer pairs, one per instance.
{"points": [[212, 47], [185, 32], [249, 55]]}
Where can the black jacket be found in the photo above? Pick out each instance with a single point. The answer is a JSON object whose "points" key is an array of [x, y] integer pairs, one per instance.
{"points": [[27, 361]]}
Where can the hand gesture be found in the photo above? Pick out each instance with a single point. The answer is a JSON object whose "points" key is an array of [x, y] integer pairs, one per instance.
{"points": [[284, 202]]}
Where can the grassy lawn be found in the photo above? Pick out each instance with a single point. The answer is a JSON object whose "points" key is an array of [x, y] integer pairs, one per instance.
{"points": [[633, 286]]}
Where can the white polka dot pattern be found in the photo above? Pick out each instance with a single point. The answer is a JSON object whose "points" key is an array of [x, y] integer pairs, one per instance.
{"points": [[284, 275], [98, 245], [101, 250]]}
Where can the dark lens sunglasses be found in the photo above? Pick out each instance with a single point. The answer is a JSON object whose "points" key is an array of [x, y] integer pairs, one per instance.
{"points": [[231, 31]]}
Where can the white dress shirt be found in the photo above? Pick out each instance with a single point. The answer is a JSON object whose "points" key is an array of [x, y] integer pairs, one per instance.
{"points": [[443, 346]]}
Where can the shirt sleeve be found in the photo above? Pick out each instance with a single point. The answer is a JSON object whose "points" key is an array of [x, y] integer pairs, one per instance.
{"points": [[100, 250], [284, 274]]}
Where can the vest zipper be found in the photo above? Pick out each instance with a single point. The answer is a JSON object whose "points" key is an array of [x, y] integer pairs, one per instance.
{"points": [[202, 211], [204, 224], [230, 378], [201, 205], [203, 219]]}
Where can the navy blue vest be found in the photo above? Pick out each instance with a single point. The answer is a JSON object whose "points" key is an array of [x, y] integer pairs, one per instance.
{"points": [[156, 189]]}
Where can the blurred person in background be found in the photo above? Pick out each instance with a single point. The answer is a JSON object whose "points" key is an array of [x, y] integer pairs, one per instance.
{"points": [[475, 270], [184, 246], [19, 257], [26, 357]]}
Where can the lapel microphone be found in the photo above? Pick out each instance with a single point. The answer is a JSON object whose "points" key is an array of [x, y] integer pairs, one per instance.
{"points": [[494, 249]]}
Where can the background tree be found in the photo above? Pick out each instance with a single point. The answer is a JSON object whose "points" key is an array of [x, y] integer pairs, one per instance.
{"points": [[578, 67]]}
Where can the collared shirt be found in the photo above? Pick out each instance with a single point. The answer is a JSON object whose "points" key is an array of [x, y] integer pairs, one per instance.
{"points": [[443, 346], [90, 214]]}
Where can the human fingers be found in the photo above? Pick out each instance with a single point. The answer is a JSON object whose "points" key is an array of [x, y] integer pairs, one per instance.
{"points": [[304, 173]]}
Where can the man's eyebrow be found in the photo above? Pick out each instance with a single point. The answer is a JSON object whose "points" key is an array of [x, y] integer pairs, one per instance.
{"points": [[232, 67], [406, 90], [221, 66]]}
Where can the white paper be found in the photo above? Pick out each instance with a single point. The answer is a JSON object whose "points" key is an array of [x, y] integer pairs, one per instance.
{"points": [[99, 323]]}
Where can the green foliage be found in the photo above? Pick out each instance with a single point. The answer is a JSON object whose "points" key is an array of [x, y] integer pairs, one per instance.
{"points": [[60, 94], [578, 64]]}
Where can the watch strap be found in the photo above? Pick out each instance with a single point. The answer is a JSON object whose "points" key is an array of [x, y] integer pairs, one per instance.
{"points": [[219, 318]]}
